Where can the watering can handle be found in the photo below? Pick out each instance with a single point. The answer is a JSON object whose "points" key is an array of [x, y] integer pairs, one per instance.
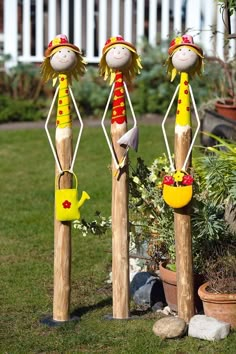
{"points": [[61, 173]]}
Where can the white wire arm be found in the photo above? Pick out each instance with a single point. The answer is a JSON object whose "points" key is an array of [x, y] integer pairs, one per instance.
{"points": [[131, 106], [80, 131], [196, 131], [164, 132], [48, 135], [195, 134], [104, 129], [79, 135]]}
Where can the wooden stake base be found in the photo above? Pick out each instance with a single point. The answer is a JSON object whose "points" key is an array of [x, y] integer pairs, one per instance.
{"points": [[110, 317], [49, 321]]}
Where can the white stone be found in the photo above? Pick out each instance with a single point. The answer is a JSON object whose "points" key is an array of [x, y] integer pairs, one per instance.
{"points": [[109, 280], [134, 267], [167, 311], [204, 327]]}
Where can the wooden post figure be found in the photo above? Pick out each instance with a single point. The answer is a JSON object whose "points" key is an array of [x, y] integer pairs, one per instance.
{"points": [[185, 58], [63, 61], [120, 62]]}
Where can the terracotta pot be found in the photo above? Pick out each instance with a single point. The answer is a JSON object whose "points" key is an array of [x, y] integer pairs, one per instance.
{"points": [[220, 306], [226, 109], [168, 278]]}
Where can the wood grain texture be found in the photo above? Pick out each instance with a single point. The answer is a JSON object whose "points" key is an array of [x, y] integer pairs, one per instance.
{"points": [[120, 235], [62, 234], [183, 234]]}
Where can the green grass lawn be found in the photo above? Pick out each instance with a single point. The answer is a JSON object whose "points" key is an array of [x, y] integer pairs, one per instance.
{"points": [[26, 255]]}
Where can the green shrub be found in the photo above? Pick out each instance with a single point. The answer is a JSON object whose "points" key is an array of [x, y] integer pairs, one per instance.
{"points": [[22, 94], [20, 110], [91, 93]]}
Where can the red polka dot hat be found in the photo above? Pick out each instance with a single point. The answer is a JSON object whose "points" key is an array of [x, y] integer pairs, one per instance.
{"points": [[60, 40], [181, 41]]}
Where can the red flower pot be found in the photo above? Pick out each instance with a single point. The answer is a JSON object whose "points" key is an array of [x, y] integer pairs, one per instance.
{"points": [[226, 109], [169, 281]]}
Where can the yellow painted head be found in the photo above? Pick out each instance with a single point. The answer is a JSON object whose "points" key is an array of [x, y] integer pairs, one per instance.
{"points": [[184, 56], [62, 57], [129, 65]]}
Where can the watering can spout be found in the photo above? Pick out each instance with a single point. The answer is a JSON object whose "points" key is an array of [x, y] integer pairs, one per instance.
{"points": [[84, 197]]}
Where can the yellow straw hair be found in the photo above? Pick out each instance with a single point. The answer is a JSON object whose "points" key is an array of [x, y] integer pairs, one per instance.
{"points": [[198, 69], [129, 72], [49, 74]]}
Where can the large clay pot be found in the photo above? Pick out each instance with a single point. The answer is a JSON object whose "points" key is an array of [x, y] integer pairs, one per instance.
{"points": [[168, 278], [220, 306], [226, 109]]}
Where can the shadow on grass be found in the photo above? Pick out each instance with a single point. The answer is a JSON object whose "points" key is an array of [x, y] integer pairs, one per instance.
{"points": [[80, 311], [140, 312]]}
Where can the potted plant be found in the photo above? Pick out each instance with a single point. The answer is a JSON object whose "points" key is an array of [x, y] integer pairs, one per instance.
{"points": [[218, 114], [228, 8], [218, 294], [225, 103], [152, 218]]}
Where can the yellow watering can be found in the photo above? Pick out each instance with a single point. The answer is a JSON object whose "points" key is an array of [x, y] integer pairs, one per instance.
{"points": [[67, 203]]}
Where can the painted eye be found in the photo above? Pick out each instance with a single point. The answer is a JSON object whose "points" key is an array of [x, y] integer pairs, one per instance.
{"points": [[59, 51], [68, 51]]}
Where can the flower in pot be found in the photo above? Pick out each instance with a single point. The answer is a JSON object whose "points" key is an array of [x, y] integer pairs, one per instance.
{"points": [[177, 189]]}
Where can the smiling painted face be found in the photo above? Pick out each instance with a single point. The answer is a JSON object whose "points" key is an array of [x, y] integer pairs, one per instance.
{"points": [[118, 57], [184, 59], [63, 60]]}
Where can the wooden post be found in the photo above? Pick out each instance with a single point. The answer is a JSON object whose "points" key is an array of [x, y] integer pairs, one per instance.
{"points": [[119, 60], [62, 230], [182, 219], [120, 235], [63, 61], [185, 58]]}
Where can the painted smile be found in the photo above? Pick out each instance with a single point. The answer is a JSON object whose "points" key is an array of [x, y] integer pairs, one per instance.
{"points": [[116, 57], [65, 60]]}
